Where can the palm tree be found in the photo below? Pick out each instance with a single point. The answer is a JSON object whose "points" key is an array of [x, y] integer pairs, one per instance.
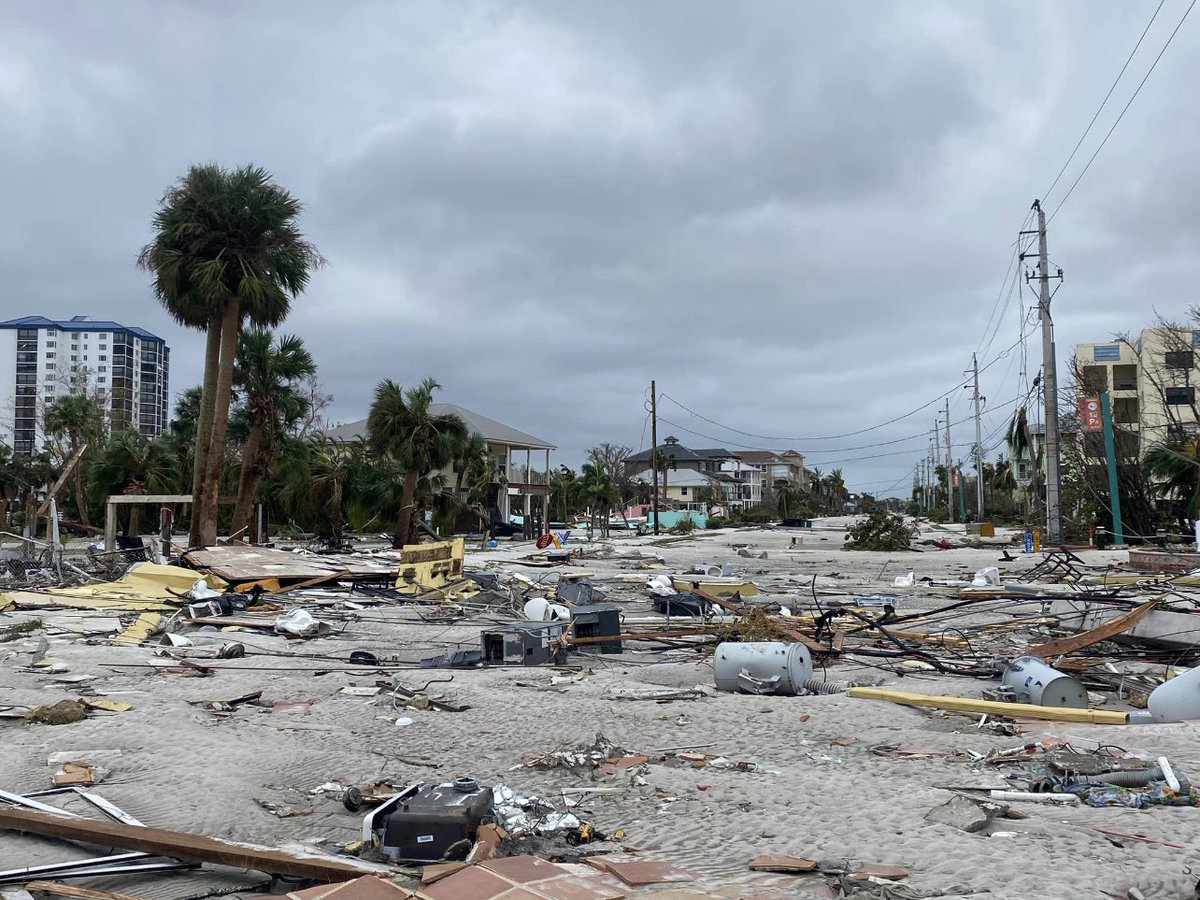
{"points": [[131, 463], [599, 491], [266, 372], [664, 462], [81, 420], [562, 486], [468, 453], [1174, 471], [401, 424], [226, 249], [789, 496]]}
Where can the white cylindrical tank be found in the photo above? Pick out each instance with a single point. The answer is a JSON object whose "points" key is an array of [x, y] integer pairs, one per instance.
{"points": [[1035, 682], [767, 667], [1178, 699]]}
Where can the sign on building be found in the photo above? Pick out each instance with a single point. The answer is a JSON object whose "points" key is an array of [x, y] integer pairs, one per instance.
{"points": [[1089, 414]]}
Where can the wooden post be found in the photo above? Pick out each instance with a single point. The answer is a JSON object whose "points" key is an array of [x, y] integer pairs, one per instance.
{"points": [[166, 518], [110, 525]]}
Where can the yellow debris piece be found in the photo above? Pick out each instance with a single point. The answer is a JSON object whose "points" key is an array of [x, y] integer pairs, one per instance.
{"points": [[144, 588], [106, 704], [993, 707], [142, 627], [270, 585], [432, 566]]}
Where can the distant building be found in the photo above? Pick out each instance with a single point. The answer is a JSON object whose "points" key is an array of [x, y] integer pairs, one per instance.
{"points": [[1151, 383], [520, 458], [745, 476], [43, 359]]}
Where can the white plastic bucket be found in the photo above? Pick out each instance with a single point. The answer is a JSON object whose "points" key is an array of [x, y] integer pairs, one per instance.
{"points": [[766, 667]]}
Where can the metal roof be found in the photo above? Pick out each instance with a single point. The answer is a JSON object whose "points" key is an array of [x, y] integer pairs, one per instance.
{"points": [[79, 323], [493, 431]]}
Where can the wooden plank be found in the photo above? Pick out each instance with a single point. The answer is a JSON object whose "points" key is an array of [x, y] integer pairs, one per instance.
{"points": [[993, 707], [1110, 629], [59, 889], [180, 845]]}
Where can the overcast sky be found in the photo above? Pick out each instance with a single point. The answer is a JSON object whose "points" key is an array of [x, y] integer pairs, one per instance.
{"points": [[795, 216]]}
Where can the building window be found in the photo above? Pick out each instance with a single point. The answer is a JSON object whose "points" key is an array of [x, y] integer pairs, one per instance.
{"points": [[683, 492], [1180, 359], [74, 346], [74, 358], [1124, 378], [103, 358], [50, 366], [1095, 379], [1180, 396], [74, 335], [51, 343], [50, 355], [102, 369]]}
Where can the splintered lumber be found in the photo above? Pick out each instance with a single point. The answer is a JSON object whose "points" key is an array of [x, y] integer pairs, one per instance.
{"points": [[1110, 629], [993, 707], [180, 845], [58, 889]]}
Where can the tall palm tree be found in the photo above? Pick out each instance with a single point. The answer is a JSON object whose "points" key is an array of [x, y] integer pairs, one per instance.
{"points": [[562, 486], [266, 372], [131, 463], [226, 248], [80, 419], [401, 424]]}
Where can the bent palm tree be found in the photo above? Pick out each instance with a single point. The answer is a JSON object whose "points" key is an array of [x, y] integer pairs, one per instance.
{"points": [[401, 424], [1174, 470], [226, 248], [267, 372], [80, 420]]}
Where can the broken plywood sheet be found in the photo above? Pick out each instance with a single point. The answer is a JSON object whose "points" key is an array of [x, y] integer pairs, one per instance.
{"points": [[237, 564], [430, 566], [145, 587]]}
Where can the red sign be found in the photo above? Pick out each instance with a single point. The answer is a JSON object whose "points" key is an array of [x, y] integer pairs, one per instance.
{"points": [[1089, 414]]}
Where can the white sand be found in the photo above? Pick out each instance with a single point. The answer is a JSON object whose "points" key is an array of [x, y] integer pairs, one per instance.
{"points": [[184, 768]]}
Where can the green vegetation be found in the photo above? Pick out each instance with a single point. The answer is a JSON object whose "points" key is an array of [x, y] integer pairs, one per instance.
{"points": [[879, 531]]}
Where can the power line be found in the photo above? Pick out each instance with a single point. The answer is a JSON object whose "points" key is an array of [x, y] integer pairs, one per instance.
{"points": [[1149, 72], [1100, 109], [833, 437]]}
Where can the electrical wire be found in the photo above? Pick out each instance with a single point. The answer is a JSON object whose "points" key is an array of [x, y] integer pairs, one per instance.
{"points": [[1100, 109], [1125, 109]]}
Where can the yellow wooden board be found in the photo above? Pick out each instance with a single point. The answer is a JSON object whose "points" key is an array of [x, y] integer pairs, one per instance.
{"points": [[994, 707]]}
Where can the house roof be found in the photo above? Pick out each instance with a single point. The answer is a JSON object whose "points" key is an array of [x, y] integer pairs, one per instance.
{"points": [[492, 431], [684, 454], [761, 456], [78, 323], [682, 478]]}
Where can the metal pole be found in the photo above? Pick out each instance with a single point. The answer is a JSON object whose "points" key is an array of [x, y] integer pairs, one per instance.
{"points": [[1110, 451], [978, 444], [949, 466], [654, 451], [1054, 533]]}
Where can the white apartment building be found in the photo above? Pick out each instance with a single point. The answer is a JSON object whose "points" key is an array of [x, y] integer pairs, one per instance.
{"points": [[42, 359], [1152, 384]]}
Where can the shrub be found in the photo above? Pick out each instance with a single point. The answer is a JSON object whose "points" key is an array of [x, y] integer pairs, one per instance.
{"points": [[879, 531], [715, 522]]}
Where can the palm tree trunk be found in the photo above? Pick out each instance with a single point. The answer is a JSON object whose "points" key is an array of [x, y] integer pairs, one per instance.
{"points": [[208, 401], [408, 496], [216, 450], [249, 478], [79, 501], [135, 519]]}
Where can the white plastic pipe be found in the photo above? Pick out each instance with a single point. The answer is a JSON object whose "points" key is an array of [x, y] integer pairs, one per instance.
{"points": [[1033, 796]]}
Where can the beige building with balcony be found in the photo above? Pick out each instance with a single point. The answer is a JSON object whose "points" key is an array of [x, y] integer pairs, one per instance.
{"points": [[1151, 382]]}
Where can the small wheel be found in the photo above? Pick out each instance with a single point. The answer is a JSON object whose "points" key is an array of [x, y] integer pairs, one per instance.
{"points": [[352, 799]]}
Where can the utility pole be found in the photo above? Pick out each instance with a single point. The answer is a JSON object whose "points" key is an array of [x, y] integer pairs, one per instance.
{"points": [[654, 451], [978, 444], [1054, 535], [937, 454], [949, 466]]}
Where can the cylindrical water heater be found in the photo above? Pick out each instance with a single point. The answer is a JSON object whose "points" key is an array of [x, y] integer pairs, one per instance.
{"points": [[1035, 682], [767, 667]]}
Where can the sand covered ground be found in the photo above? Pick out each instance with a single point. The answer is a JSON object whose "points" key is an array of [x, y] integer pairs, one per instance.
{"points": [[819, 784]]}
